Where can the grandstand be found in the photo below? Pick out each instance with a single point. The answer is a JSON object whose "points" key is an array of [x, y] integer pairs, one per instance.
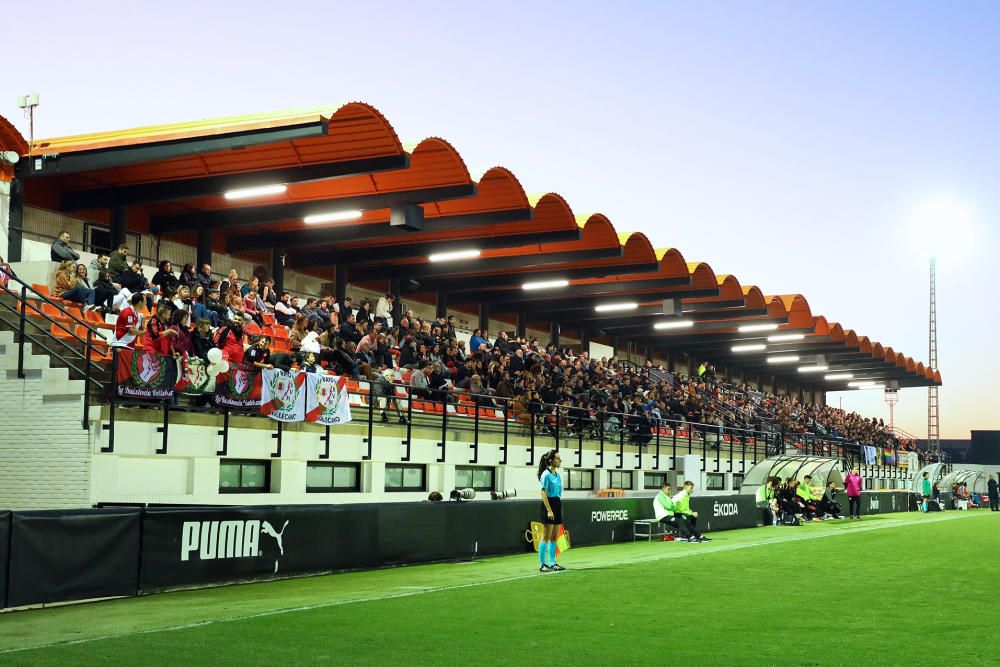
{"points": [[467, 326]]}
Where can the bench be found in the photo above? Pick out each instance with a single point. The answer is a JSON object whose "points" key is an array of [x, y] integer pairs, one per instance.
{"points": [[649, 528]]}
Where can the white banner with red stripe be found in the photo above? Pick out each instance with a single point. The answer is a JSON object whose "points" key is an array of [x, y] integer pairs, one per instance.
{"points": [[327, 400], [283, 395]]}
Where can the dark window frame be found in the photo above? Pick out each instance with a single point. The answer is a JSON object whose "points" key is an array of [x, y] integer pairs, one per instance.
{"points": [[473, 469], [406, 466], [334, 489], [631, 479], [720, 476], [659, 477], [570, 486], [245, 462]]}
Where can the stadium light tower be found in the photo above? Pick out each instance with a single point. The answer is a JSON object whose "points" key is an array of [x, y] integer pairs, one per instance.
{"points": [[933, 409], [947, 227]]}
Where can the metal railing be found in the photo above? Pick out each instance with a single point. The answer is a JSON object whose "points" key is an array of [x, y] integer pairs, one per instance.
{"points": [[57, 336], [533, 424]]}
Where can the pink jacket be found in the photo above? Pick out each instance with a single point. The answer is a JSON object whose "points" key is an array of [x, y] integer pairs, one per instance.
{"points": [[853, 484]]}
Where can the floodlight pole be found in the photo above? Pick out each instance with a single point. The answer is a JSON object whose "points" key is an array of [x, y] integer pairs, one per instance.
{"points": [[933, 409]]}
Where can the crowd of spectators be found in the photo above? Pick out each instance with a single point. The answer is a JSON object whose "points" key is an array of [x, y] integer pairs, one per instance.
{"points": [[551, 387]]}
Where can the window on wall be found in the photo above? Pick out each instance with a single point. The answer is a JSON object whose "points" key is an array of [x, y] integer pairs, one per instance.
{"points": [[580, 480], [654, 480], [244, 476], [715, 481], [620, 479], [737, 482], [327, 477], [869, 483], [402, 477], [478, 479]]}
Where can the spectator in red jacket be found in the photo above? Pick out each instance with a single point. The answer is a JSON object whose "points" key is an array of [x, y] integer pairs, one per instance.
{"points": [[158, 335], [229, 339]]}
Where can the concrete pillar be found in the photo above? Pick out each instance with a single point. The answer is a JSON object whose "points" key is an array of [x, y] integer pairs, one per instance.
{"points": [[397, 304], [522, 324], [277, 269], [119, 226], [484, 315], [4, 218], [15, 221], [442, 303], [341, 282], [205, 247]]}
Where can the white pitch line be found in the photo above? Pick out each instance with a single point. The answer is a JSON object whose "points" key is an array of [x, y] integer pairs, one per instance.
{"points": [[410, 593]]}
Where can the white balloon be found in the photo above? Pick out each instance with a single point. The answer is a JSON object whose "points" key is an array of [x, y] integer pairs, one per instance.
{"points": [[212, 370], [223, 366], [214, 355]]}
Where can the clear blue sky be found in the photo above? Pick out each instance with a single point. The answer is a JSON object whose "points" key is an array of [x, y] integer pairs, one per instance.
{"points": [[784, 142]]}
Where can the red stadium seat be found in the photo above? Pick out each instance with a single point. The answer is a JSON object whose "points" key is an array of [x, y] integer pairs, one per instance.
{"points": [[54, 313], [41, 289]]}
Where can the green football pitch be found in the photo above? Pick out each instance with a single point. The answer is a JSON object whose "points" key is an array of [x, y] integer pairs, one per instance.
{"points": [[890, 589]]}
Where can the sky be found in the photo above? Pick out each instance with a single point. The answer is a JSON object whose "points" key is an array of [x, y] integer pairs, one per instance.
{"points": [[790, 144]]}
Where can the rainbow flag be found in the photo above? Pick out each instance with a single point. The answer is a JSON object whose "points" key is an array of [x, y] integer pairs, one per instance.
{"points": [[890, 457]]}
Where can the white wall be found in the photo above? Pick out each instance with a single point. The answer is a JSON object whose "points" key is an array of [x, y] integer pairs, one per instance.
{"points": [[45, 453]]}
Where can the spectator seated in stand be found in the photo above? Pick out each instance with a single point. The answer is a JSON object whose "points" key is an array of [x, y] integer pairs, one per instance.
{"points": [[61, 251], [284, 312]]}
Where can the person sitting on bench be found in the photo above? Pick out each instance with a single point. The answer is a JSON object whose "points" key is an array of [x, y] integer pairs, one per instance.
{"points": [[810, 504], [664, 510], [828, 505], [682, 507], [766, 501], [788, 502]]}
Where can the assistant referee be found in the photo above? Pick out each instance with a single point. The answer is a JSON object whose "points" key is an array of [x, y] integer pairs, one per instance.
{"points": [[551, 492]]}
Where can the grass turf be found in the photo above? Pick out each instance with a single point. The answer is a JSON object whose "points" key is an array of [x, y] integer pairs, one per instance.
{"points": [[870, 592]]}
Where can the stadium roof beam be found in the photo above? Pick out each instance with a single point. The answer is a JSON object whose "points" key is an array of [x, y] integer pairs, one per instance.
{"points": [[446, 272], [146, 193], [321, 257], [58, 163], [568, 300], [457, 284], [369, 231], [245, 216]]}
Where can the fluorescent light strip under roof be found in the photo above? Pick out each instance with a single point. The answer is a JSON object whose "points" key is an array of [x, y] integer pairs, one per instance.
{"points": [[335, 216], [749, 328], [813, 369], [783, 359], [454, 255], [781, 338], [612, 307], [545, 284], [676, 324], [257, 191], [861, 383], [839, 376], [749, 348]]}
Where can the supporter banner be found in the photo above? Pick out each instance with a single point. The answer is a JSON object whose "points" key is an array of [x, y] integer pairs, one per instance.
{"points": [[193, 377], [889, 456], [145, 375], [239, 387], [327, 400], [283, 395], [869, 454], [4, 554], [59, 555]]}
